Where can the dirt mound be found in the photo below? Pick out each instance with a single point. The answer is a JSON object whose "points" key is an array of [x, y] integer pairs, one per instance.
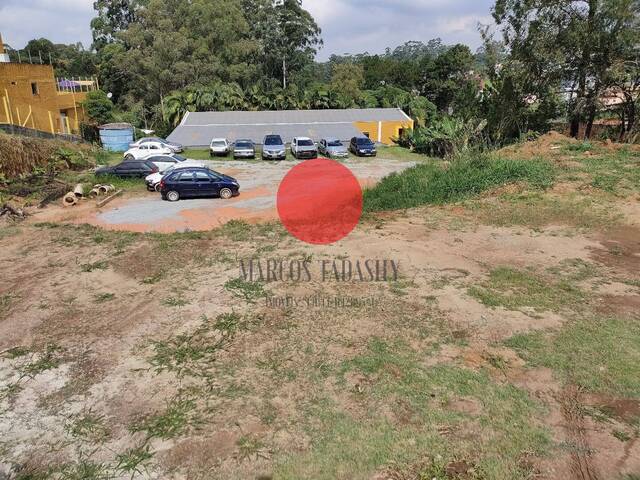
{"points": [[541, 146], [22, 155]]}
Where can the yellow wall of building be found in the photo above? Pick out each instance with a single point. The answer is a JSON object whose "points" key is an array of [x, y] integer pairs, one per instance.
{"points": [[383, 132], [42, 109]]}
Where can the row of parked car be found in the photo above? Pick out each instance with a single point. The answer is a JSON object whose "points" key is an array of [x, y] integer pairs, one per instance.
{"points": [[274, 148]]}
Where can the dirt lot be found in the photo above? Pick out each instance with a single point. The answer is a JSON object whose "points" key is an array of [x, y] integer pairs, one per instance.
{"points": [[259, 183], [507, 348]]}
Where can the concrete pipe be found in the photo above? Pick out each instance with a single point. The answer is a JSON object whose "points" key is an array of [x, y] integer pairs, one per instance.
{"points": [[69, 199], [94, 192], [79, 190], [106, 188]]}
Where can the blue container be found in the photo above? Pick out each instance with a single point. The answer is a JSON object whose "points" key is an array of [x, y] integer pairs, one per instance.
{"points": [[116, 137]]}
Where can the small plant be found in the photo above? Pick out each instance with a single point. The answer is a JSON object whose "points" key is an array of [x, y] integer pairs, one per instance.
{"points": [[88, 426], [249, 291], [178, 301], [133, 460], [104, 297], [168, 424], [90, 267]]}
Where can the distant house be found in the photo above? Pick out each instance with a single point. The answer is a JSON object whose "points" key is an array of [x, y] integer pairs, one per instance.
{"points": [[31, 96], [381, 125]]}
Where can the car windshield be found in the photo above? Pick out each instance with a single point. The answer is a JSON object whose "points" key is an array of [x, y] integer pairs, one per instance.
{"points": [[335, 143], [275, 140], [168, 171], [218, 143], [364, 141], [243, 145], [305, 143], [180, 158]]}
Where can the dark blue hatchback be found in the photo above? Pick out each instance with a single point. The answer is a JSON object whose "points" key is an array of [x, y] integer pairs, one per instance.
{"points": [[197, 182]]}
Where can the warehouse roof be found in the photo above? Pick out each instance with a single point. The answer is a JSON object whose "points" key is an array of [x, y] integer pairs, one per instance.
{"points": [[198, 128]]}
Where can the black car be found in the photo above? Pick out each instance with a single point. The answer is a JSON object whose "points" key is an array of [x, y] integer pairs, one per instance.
{"points": [[197, 182], [362, 147], [129, 169]]}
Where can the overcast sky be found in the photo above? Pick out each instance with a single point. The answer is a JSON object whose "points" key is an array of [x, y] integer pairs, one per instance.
{"points": [[348, 26]]}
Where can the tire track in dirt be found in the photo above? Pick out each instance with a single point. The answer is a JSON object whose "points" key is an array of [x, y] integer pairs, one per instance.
{"points": [[571, 405]]}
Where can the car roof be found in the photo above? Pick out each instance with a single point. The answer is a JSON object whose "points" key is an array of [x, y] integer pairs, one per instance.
{"points": [[248, 140], [331, 139], [302, 138], [219, 140]]}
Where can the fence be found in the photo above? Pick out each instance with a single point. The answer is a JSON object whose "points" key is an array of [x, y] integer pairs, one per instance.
{"points": [[30, 132]]}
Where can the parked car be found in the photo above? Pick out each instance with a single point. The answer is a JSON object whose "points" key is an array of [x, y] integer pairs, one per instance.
{"points": [[362, 147], [164, 161], [273, 148], [332, 148], [176, 147], [153, 180], [244, 149], [197, 182], [303, 147], [146, 150], [219, 147], [129, 169]]}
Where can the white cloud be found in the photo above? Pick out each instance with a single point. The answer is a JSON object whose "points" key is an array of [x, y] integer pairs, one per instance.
{"points": [[348, 26]]}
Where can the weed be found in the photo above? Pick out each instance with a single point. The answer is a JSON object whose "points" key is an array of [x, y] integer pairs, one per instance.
{"points": [[620, 435], [170, 423], [178, 301], [153, 279], [90, 267], [88, 426], [249, 447], [47, 360], [249, 291], [516, 289], [133, 460], [195, 353], [104, 297], [16, 352]]}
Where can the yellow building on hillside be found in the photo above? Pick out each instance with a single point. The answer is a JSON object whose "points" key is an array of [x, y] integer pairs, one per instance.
{"points": [[31, 97]]}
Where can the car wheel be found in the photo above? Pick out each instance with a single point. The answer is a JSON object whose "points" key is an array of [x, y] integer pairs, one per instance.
{"points": [[157, 187], [173, 196], [226, 193], [129, 157]]}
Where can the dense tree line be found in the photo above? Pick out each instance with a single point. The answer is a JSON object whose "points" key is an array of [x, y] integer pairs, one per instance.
{"points": [[547, 60]]}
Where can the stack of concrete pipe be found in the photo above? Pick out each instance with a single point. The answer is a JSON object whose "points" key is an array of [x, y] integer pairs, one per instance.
{"points": [[72, 198]]}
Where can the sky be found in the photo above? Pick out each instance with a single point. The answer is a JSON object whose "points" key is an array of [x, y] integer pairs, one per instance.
{"points": [[348, 26]]}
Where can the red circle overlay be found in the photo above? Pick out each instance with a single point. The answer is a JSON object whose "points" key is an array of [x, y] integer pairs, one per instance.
{"points": [[319, 201]]}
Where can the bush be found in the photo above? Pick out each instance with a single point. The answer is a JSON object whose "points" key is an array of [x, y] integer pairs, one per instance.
{"points": [[435, 184], [444, 137]]}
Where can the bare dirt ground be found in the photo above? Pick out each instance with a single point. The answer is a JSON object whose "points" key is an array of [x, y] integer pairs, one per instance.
{"points": [[507, 348]]}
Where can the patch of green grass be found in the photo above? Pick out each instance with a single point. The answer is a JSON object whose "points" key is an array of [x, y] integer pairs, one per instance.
{"points": [[248, 291], [415, 399], [578, 147], [614, 172], [194, 353], [515, 289], [249, 447], [177, 301], [16, 352], [88, 426], [536, 210], [170, 423], [601, 355], [133, 461], [104, 297], [435, 184], [85, 470], [5, 303], [48, 359], [90, 267]]}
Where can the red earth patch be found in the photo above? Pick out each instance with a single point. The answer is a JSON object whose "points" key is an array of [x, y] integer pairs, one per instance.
{"points": [[319, 201]]}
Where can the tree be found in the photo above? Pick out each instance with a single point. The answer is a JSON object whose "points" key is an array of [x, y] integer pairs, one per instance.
{"points": [[347, 80], [287, 33], [98, 107], [114, 16], [573, 43]]}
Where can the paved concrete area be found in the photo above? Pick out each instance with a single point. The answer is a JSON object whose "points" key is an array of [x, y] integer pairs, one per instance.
{"points": [[259, 183]]}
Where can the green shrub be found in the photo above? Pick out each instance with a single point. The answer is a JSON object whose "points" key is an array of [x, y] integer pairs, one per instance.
{"points": [[435, 184]]}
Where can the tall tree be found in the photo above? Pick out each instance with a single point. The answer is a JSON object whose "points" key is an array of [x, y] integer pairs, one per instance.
{"points": [[114, 16], [571, 42], [288, 36]]}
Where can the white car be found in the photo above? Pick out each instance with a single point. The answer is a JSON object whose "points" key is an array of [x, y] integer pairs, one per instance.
{"points": [[147, 149], [153, 180], [176, 147], [219, 146], [304, 147]]}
